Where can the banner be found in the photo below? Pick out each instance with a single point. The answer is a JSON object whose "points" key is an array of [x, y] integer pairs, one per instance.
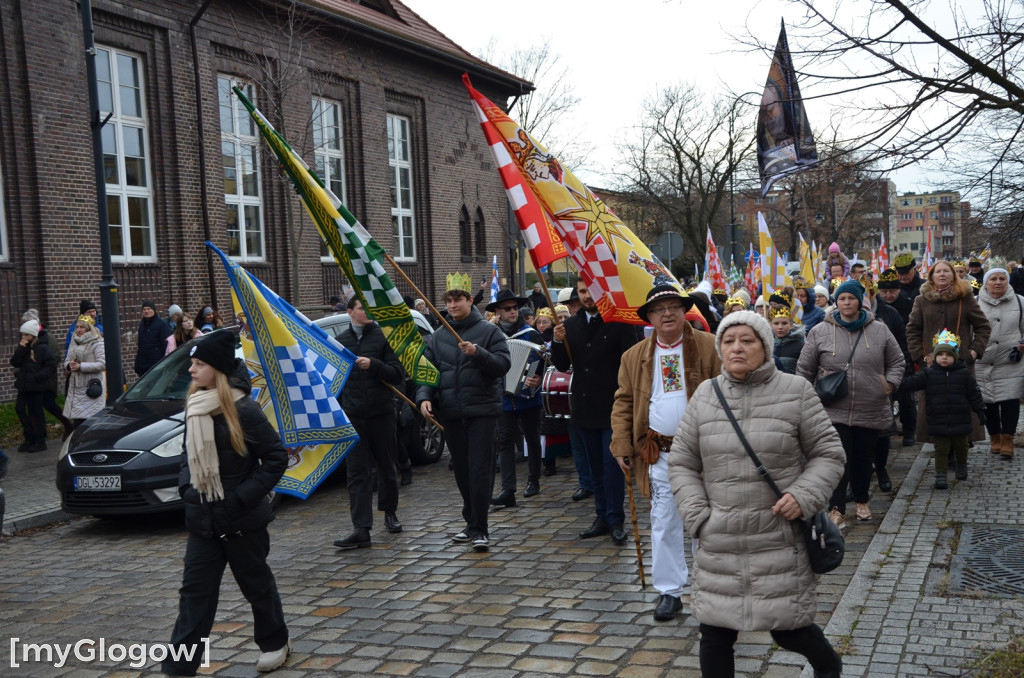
{"points": [[296, 371], [883, 254], [806, 261], [356, 252], [616, 266], [494, 281], [713, 272], [785, 144]]}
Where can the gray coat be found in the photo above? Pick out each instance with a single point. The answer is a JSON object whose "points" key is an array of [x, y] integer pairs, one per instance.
{"points": [[876, 369], [751, 571], [92, 365], [998, 378]]}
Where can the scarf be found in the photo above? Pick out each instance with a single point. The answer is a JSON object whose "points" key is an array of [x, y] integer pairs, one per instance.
{"points": [[853, 325], [200, 444], [81, 347]]}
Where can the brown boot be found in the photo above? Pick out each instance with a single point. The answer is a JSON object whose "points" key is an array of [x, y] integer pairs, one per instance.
{"points": [[1007, 447], [996, 443]]}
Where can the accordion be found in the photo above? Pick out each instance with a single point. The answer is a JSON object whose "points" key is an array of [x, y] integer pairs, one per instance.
{"points": [[527, 361]]}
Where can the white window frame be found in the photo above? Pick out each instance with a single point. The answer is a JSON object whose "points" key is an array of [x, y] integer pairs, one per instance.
{"points": [[324, 155], [399, 159], [244, 138], [121, 191]]}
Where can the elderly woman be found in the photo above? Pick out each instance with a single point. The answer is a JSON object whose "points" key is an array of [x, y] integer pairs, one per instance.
{"points": [[1000, 369], [751, 570], [946, 302], [851, 339], [86, 361]]}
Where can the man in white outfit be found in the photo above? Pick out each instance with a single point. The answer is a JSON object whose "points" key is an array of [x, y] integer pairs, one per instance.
{"points": [[656, 378]]}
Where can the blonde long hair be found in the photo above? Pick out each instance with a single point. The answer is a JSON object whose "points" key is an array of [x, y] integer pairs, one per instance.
{"points": [[228, 409]]}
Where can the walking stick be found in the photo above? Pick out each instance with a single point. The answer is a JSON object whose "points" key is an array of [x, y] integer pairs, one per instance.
{"points": [[636, 533]]}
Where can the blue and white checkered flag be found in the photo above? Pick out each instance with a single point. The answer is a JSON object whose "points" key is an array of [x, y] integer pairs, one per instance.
{"points": [[494, 281]]}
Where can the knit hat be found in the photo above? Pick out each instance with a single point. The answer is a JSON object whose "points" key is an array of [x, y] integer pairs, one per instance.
{"points": [[173, 310], [217, 350], [757, 322], [149, 302], [821, 291], [989, 272], [946, 341], [85, 305], [889, 280], [833, 248], [780, 297], [854, 288], [30, 327]]}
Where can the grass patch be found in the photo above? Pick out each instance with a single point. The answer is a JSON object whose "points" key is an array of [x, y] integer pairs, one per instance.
{"points": [[1006, 662], [10, 425]]}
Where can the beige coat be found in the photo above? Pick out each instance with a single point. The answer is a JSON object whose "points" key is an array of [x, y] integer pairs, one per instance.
{"points": [[876, 369], [93, 365], [632, 404], [751, 571], [998, 377]]}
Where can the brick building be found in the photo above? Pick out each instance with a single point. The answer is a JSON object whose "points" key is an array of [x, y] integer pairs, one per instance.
{"points": [[366, 90]]}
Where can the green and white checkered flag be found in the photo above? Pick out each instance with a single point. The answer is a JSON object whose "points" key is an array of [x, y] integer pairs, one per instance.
{"points": [[357, 253]]}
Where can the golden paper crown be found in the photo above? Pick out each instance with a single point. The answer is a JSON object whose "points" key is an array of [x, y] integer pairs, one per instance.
{"points": [[905, 260], [868, 283], [801, 283], [958, 262], [458, 281], [976, 284], [889, 275], [779, 313], [836, 282], [734, 301], [86, 318], [946, 339], [546, 312]]}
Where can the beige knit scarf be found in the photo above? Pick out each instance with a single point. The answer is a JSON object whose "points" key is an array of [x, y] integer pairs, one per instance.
{"points": [[200, 444]]}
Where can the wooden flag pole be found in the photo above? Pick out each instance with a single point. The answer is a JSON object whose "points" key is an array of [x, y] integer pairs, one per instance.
{"points": [[411, 403], [424, 297], [636, 533], [547, 295]]}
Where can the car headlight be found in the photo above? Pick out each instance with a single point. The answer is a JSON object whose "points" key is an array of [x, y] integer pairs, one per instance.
{"points": [[171, 447]]}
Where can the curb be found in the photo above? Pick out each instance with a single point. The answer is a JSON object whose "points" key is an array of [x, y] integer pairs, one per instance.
{"points": [[42, 518]]}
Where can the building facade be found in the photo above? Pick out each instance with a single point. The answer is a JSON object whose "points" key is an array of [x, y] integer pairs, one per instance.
{"points": [[366, 91], [940, 214]]}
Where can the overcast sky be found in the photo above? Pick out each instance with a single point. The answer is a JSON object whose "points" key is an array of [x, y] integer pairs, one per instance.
{"points": [[621, 52]]}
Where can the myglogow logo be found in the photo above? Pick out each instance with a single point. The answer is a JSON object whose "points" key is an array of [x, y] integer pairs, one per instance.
{"points": [[87, 651]]}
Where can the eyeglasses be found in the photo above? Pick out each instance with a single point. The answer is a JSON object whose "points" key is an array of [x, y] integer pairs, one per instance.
{"points": [[665, 310], [508, 308]]}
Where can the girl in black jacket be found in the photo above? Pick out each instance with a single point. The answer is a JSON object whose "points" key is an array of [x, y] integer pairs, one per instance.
{"points": [[36, 365], [234, 458], [951, 392]]}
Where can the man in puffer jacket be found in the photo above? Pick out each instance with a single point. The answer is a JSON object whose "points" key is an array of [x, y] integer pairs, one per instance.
{"points": [[468, 402], [153, 333]]}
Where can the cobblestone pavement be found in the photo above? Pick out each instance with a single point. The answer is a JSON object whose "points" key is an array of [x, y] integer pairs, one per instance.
{"points": [[541, 602]]}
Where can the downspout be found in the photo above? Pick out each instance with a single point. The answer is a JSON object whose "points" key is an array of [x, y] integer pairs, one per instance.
{"points": [[202, 149]]}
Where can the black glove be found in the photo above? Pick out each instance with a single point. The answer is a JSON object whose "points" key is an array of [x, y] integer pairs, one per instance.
{"points": [[981, 418]]}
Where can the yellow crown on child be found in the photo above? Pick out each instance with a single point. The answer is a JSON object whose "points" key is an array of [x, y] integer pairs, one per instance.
{"points": [[779, 313], [458, 281], [946, 338]]}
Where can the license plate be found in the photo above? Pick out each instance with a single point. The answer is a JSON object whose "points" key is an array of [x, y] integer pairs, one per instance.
{"points": [[98, 483]]}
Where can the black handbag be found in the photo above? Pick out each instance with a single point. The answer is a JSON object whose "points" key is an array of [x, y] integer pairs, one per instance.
{"points": [[834, 386], [825, 545], [94, 389]]}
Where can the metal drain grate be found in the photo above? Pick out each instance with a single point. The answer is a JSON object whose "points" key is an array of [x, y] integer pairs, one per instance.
{"points": [[989, 559]]}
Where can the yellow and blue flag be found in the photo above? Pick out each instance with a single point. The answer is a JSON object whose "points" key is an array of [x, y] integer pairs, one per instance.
{"points": [[297, 371]]}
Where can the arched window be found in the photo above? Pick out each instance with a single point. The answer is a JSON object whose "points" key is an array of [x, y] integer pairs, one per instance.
{"points": [[480, 230], [465, 233]]}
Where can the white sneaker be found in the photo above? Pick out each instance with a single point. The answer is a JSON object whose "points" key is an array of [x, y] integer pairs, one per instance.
{"points": [[461, 537], [480, 544], [273, 660]]}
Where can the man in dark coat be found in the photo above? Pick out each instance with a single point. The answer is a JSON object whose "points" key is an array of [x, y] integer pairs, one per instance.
{"points": [[369, 404], [517, 410], [910, 279], [537, 298], [468, 402], [153, 333], [596, 348], [891, 294]]}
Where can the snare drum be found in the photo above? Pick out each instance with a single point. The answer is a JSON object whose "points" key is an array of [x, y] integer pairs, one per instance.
{"points": [[556, 391]]}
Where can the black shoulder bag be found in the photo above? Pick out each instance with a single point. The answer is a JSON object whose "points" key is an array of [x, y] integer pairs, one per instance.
{"points": [[825, 545], [834, 386]]}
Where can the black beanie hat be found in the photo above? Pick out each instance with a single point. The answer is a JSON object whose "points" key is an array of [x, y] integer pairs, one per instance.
{"points": [[148, 302], [85, 305], [217, 350]]}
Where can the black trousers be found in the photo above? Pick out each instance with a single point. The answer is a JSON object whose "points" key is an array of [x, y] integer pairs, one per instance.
{"points": [[471, 445], [1001, 418], [859, 445], [29, 408], [508, 433], [200, 590], [716, 649], [908, 412], [377, 447], [51, 406]]}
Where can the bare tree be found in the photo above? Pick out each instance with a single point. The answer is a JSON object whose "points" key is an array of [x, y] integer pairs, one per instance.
{"points": [[687, 149], [546, 112], [924, 80]]}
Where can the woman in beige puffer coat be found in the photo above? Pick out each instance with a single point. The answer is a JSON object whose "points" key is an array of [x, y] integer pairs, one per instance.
{"points": [[1000, 377], [86, 361], [751, 570]]}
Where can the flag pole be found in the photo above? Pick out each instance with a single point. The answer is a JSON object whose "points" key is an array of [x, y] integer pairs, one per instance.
{"points": [[424, 297], [411, 403], [547, 295]]}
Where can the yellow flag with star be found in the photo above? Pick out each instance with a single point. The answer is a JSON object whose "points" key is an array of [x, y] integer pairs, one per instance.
{"points": [[618, 269]]}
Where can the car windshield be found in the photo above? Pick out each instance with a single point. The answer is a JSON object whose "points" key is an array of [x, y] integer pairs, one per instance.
{"points": [[168, 379]]}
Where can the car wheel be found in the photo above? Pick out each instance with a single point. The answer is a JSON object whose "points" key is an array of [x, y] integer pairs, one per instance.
{"points": [[433, 444]]}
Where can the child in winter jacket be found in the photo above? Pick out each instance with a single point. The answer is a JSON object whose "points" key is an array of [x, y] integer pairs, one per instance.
{"points": [[951, 392], [789, 340]]}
